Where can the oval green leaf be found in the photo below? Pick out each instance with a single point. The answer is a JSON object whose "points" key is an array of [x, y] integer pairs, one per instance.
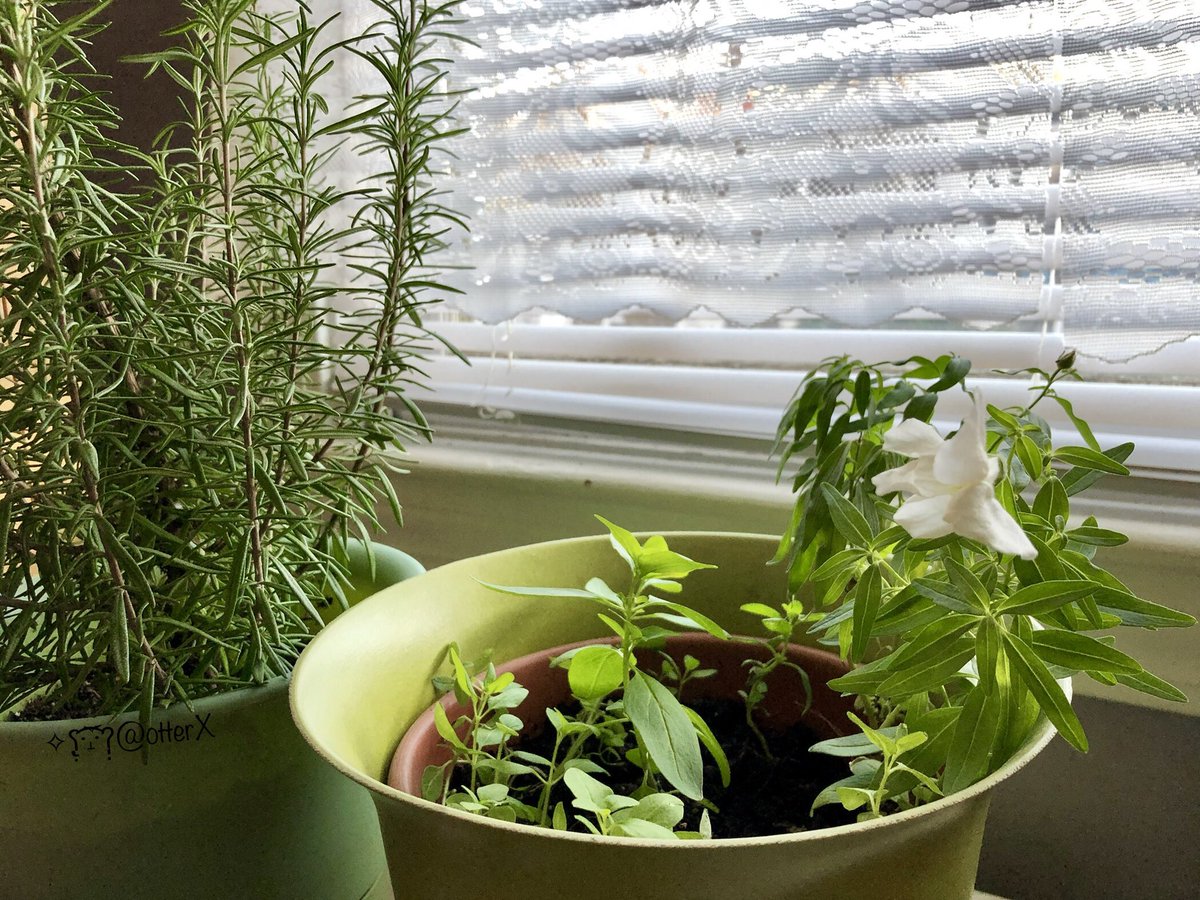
{"points": [[667, 733], [595, 672]]}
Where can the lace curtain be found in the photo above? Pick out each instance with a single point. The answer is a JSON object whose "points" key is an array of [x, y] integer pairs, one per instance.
{"points": [[937, 164]]}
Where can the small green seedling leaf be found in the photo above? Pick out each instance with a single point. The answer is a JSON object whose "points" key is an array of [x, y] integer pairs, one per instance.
{"points": [[595, 672], [853, 745], [445, 729]]}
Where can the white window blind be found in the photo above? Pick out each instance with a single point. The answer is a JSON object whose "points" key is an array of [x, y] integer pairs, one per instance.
{"points": [[676, 207]]}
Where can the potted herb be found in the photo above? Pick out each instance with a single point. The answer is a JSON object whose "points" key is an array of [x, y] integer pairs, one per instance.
{"points": [[941, 583], [193, 444]]}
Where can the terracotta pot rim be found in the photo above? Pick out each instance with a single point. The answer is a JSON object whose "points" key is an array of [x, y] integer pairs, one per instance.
{"points": [[543, 657]]}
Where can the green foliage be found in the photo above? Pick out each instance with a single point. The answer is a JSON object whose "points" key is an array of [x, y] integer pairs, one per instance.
{"points": [[958, 648], [188, 431], [653, 816], [626, 713], [955, 641], [873, 782], [782, 626]]}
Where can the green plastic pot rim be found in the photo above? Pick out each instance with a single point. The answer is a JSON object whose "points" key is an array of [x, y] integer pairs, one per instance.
{"points": [[1041, 736], [237, 698], [234, 699]]}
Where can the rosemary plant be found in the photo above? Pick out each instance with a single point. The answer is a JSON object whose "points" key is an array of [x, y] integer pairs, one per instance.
{"points": [[189, 430]]}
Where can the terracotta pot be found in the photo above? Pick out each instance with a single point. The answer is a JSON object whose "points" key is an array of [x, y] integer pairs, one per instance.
{"points": [[365, 680], [228, 801], [783, 707]]}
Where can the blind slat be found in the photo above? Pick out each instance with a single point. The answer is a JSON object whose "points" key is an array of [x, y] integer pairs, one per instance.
{"points": [[1030, 164]]}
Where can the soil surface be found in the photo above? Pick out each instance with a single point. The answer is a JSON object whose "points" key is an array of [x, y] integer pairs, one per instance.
{"points": [[84, 705], [766, 796]]}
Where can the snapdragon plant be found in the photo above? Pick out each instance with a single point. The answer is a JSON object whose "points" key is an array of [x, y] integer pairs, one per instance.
{"points": [[950, 570]]}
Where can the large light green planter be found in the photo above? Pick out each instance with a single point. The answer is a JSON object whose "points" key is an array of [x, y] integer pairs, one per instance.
{"points": [[229, 803], [365, 679]]}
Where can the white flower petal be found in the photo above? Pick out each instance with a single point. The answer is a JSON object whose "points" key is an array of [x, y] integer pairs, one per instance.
{"points": [[926, 483], [925, 517], [963, 458], [912, 437], [897, 479], [993, 470], [976, 514]]}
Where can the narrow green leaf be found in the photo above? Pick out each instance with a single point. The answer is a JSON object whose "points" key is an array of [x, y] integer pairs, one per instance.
{"points": [[921, 407], [698, 618], [1140, 613], [836, 564], [1003, 418], [541, 592], [862, 391], [853, 745], [600, 589], [1078, 480], [987, 651], [1045, 596], [1081, 653], [623, 542], [1030, 456], [969, 756], [930, 674], [1153, 685], [850, 523], [832, 794], [462, 678], [445, 729], [938, 724], [949, 596], [867, 597], [297, 591], [119, 637], [1081, 426], [1049, 695], [1051, 502], [1087, 458], [970, 588], [863, 680], [931, 641], [956, 370], [1099, 537]]}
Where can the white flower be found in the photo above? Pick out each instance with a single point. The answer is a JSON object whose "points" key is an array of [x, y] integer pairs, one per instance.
{"points": [[949, 485]]}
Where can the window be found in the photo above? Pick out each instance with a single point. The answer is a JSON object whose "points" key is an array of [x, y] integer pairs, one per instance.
{"points": [[678, 206]]}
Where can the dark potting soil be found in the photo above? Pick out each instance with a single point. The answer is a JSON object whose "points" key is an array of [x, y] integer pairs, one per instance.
{"points": [[766, 796], [84, 705]]}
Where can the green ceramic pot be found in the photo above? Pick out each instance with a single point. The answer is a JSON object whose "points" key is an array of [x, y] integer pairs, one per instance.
{"points": [[221, 801], [364, 680]]}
